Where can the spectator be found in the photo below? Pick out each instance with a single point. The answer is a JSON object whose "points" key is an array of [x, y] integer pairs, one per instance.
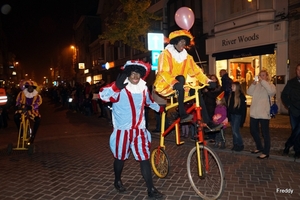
{"points": [[261, 91], [174, 64], [220, 120], [99, 85], [3, 107], [290, 97], [226, 83], [209, 97], [129, 95], [237, 109]]}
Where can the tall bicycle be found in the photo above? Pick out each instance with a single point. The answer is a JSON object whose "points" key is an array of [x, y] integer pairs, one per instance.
{"points": [[204, 168], [24, 135]]}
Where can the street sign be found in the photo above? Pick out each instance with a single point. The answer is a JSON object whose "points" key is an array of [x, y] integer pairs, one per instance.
{"points": [[155, 41], [155, 55]]}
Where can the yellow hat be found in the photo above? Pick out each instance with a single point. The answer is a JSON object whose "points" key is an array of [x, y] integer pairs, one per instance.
{"points": [[220, 96], [178, 33]]}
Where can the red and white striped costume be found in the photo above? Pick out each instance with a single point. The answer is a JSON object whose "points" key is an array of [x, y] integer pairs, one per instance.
{"points": [[128, 119]]}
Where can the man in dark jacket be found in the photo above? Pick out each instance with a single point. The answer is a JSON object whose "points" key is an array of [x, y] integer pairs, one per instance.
{"points": [[226, 83], [290, 97]]}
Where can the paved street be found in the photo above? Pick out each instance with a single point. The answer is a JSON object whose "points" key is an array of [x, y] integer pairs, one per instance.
{"points": [[72, 160]]}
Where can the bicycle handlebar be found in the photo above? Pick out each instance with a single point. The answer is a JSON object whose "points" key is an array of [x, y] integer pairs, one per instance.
{"points": [[196, 87]]}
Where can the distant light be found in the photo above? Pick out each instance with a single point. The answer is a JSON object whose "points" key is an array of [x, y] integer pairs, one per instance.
{"points": [[11, 67], [107, 65], [88, 79], [81, 66]]}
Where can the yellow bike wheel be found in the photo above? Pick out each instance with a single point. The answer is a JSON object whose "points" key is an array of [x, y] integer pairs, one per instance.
{"points": [[160, 163], [210, 184]]}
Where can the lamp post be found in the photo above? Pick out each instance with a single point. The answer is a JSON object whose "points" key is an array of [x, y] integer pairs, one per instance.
{"points": [[75, 57]]}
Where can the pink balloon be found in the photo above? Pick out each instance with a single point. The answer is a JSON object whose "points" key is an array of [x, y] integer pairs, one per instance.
{"points": [[184, 18]]}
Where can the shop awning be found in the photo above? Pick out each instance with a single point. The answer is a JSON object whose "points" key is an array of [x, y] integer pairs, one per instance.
{"points": [[253, 51]]}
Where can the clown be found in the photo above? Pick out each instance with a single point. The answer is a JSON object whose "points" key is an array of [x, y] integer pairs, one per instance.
{"points": [[174, 64], [129, 96], [30, 100]]}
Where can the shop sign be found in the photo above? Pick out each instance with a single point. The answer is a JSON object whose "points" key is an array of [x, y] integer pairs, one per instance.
{"points": [[155, 41], [155, 55]]}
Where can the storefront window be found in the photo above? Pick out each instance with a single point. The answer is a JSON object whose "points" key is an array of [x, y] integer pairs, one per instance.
{"points": [[220, 64], [245, 69], [269, 64], [89, 79], [97, 78]]}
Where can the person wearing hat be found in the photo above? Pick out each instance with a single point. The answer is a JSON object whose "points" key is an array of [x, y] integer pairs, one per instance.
{"points": [[129, 96], [220, 120], [174, 64], [30, 100]]}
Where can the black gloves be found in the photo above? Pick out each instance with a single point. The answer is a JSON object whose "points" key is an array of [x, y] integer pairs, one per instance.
{"points": [[28, 107], [178, 86], [120, 81]]}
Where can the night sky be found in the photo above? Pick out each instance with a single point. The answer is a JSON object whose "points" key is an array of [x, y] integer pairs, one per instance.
{"points": [[37, 31]]}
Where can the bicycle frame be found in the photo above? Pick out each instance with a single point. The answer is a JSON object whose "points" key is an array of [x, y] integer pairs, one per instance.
{"points": [[23, 131], [195, 107]]}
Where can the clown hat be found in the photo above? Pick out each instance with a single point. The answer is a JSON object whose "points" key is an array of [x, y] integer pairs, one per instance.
{"points": [[137, 66], [220, 96], [179, 33]]}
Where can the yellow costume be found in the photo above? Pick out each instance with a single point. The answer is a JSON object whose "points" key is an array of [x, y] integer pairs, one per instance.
{"points": [[172, 63]]}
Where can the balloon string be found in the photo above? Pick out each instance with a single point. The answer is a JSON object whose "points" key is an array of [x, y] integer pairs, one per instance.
{"points": [[198, 57]]}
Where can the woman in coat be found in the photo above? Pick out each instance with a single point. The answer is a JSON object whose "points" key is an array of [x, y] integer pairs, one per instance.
{"points": [[261, 91]]}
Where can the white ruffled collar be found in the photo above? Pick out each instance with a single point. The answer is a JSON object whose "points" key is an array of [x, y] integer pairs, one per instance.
{"points": [[135, 89], [178, 56], [29, 95]]}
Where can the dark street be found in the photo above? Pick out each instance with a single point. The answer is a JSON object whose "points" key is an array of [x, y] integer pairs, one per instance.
{"points": [[72, 160]]}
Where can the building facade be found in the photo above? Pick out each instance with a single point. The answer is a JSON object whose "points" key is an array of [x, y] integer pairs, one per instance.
{"points": [[245, 37]]}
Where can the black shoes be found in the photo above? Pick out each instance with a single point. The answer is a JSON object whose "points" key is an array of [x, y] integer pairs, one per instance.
{"points": [[219, 145], [286, 151], [237, 148], [187, 118], [263, 156], [256, 151], [119, 186], [154, 194]]}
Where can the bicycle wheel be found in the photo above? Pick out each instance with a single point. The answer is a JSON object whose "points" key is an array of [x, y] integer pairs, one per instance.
{"points": [[160, 163], [211, 184]]}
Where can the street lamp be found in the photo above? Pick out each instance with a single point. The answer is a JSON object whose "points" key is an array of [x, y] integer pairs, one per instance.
{"points": [[75, 58]]}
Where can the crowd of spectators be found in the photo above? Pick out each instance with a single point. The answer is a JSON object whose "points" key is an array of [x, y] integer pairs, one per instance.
{"points": [[80, 98]]}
